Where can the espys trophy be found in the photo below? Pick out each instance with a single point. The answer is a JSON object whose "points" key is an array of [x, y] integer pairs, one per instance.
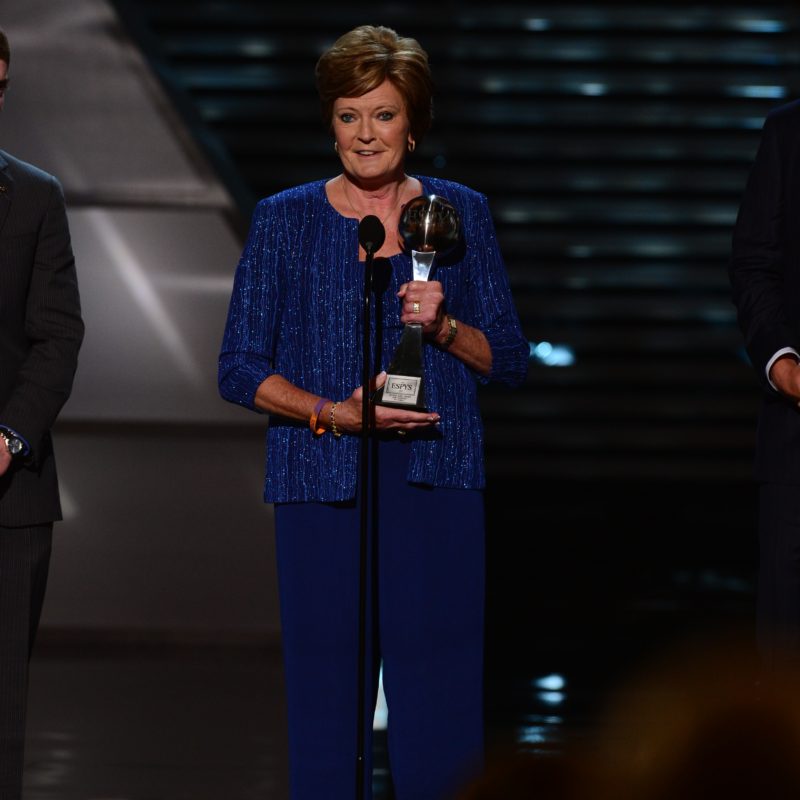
{"points": [[429, 226]]}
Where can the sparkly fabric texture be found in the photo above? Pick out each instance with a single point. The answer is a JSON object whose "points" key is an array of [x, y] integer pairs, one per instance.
{"points": [[296, 311]]}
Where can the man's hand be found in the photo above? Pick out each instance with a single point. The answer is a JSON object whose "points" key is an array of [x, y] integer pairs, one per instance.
{"points": [[785, 374], [5, 457]]}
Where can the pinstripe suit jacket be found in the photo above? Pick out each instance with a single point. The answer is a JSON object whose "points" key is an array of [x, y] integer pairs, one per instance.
{"points": [[40, 333]]}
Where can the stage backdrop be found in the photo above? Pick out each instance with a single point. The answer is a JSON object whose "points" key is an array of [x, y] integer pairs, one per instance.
{"points": [[165, 532]]}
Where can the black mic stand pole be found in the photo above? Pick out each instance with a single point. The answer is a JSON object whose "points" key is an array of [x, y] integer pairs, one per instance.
{"points": [[371, 240]]}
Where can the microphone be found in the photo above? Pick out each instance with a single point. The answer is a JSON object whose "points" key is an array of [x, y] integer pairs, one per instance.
{"points": [[371, 234]]}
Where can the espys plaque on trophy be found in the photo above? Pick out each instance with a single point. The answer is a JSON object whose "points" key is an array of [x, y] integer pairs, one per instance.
{"points": [[429, 226]]}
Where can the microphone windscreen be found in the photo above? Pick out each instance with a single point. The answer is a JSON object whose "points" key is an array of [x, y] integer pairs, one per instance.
{"points": [[371, 233]]}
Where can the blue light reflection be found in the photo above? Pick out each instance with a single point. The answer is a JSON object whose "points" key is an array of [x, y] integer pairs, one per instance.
{"points": [[552, 355], [593, 89], [537, 24], [759, 92], [551, 698], [541, 730], [760, 25], [551, 683]]}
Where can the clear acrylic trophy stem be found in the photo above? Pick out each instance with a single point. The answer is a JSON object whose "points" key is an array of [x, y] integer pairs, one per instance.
{"points": [[429, 225], [404, 384]]}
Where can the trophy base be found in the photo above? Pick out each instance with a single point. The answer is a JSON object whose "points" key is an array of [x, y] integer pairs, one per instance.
{"points": [[404, 385], [402, 391]]}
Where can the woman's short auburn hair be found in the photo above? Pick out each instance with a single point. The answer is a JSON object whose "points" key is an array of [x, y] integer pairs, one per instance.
{"points": [[363, 59]]}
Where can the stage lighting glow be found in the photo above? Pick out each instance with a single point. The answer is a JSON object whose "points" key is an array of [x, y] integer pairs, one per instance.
{"points": [[521, 216], [540, 729], [257, 48], [494, 85], [69, 506], [551, 698], [142, 292], [543, 350], [532, 735], [197, 284], [552, 355], [551, 683], [537, 24], [593, 89], [765, 92], [759, 25]]}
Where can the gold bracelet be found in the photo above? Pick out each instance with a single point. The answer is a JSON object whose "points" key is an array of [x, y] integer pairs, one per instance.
{"points": [[452, 330], [334, 430]]}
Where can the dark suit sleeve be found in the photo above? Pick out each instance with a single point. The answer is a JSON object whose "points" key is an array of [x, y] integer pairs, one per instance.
{"points": [[53, 327], [757, 262]]}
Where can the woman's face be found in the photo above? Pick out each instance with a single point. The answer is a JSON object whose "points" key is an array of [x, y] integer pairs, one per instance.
{"points": [[372, 134]]}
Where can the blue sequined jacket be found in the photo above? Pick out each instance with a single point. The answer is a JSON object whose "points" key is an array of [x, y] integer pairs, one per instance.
{"points": [[296, 311]]}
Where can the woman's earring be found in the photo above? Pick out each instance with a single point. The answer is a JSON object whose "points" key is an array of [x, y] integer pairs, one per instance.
{"points": [[336, 146], [411, 145]]}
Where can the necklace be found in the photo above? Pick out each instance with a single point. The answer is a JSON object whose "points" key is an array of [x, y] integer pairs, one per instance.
{"points": [[359, 215]]}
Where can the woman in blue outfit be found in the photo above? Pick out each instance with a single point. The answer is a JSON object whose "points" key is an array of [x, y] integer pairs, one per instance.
{"points": [[292, 350]]}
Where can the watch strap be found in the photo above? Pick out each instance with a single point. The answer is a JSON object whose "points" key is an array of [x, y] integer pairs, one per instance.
{"points": [[452, 330]]}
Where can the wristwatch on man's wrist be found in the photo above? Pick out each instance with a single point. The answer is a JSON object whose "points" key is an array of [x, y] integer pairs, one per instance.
{"points": [[14, 444]]}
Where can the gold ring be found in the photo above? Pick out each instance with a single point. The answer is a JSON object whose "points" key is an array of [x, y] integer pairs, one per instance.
{"points": [[416, 307], [401, 433]]}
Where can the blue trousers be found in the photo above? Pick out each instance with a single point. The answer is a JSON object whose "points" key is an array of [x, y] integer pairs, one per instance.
{"points": [[425, 621]]}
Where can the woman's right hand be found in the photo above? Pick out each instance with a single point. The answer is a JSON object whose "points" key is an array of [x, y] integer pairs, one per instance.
{"points": [[348, 414]]}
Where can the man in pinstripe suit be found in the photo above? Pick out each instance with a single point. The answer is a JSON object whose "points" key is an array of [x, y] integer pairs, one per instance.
{"points": [[765, 275], [40, 334]]}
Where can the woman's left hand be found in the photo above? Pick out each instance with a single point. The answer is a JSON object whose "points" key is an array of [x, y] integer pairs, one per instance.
{"points": [[423, 302]]}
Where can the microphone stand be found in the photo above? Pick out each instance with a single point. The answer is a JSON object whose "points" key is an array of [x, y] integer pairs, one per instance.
{"points": [[371, 237]]}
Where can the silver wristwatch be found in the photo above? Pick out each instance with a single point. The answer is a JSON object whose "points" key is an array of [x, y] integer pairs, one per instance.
{"points": [[14, 444]]}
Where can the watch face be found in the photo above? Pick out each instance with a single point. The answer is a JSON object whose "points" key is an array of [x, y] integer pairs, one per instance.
{"points": [[14, 445]]}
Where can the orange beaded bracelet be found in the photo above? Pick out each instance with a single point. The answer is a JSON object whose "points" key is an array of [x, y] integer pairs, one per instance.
{"points": [[313, 421]]}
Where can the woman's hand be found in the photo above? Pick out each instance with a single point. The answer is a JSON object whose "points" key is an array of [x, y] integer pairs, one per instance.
{"points": [[430, 311], [278, 396], [348, 414], [469, 345]]}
